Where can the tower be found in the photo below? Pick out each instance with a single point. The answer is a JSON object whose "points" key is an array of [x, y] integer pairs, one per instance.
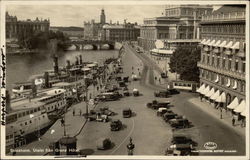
{"points": [[102, 17]]}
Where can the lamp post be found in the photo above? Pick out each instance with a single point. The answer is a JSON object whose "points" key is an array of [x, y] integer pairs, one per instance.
{"points": [[220, 113]]}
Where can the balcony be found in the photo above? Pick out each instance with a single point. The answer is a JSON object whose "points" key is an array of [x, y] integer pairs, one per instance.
{"points": [[225, 17], [229, 73]]}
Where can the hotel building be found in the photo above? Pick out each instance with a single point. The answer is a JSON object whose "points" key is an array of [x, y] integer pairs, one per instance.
{"points": [[223, 59]]}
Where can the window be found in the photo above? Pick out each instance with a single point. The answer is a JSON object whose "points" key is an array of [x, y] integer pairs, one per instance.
{"points": [[244, 67], [229, 64], [212, 60], [242, 88], [218, 61], [223, 63], [236, 65], [207, 59], [222, 80]]}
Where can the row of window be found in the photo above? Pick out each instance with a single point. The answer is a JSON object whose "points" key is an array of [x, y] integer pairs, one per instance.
{"points": [[224, 63], [224, 80], [224, 28], [30, 121], [29, 112], [54, 106]]}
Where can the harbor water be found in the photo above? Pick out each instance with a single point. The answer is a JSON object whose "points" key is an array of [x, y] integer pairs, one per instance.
{"points": [[21, 67]]}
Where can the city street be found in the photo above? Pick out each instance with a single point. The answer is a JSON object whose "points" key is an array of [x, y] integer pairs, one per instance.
{"points": [[150, 134]]}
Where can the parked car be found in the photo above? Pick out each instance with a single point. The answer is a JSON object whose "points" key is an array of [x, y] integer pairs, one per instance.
{"points": [[181, 139], [157, 104], [179, 150], [101, 117], [115, 125], [106, 111], [173, 91], [127, 113], [161, 94], [135, 92], [168, 116], [161, 111], [107, 96], [103, 144], [181, 123]]}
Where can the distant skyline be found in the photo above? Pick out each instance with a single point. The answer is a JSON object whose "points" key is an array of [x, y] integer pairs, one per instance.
{"points": [[75, 15]]}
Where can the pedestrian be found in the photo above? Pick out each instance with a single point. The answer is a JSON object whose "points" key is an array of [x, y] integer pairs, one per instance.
{"points": [[80, 112], [155, 78], [74, 112], [233, 121]]}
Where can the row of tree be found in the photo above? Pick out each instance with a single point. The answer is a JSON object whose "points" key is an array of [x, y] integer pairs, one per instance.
{"points": [[184, 62], [40, 40]]}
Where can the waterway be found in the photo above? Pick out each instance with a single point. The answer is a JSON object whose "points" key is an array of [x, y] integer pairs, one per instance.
{"points": [[21, 67]]}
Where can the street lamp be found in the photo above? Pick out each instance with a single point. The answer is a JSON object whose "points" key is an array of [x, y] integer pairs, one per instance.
{"points": [[220, 113]]}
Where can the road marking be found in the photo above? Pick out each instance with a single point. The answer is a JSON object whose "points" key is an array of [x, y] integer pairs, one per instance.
{"points": [[125, 138]]}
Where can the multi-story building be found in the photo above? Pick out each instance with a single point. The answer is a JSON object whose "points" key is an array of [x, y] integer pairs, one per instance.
{"points": [[223, 59], [124, 32], [179, 22], [16, 28]]}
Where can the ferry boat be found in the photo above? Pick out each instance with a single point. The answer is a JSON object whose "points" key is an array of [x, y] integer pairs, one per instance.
{"points": [[27, 122]]}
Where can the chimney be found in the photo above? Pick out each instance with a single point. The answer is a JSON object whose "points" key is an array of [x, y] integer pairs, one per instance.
{"points": [[80, 59], [55, 64], [8, 107], [77, 61], [117, 23], [68, 64], [46, 78], [34, 89]]}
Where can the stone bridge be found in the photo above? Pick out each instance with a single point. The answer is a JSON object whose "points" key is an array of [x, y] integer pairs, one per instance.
{"points": [[79, 44]]}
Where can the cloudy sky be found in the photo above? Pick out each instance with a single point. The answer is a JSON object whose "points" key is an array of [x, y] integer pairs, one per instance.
{"points": [[75, 15]]}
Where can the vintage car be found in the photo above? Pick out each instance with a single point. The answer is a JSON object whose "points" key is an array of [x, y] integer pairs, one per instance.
{"points": [[161, 94], [103, 144], [169, 116], [161, 111], [107, 96], [136, 92], [173, 91], [122, 84], [181, 139], [134, 77], [126, 79], [179, 150], [115, 125], [180, 123], [127, 113], [157, 104]]}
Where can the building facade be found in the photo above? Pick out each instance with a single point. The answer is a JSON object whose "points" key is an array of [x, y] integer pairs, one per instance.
{"points": [[223, 59], [124, 32], [16, 28], [179, 22]]}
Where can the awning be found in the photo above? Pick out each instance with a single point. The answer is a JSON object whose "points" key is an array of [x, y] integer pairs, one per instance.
{"points": [[221, 98], [210, 93], [240, 107], [217, 43], [205, 91], [207, 42], [236, 45], [203, 41], [201, 88], [216, 95], [228, 82], [211, 43], [243, 113], [234, 103], [229, 45], [223, 44]]}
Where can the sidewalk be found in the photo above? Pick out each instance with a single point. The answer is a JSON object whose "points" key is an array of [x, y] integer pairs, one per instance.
{"points": [[226, 115]]}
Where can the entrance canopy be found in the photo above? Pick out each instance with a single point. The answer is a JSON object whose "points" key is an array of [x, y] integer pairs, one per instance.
{"points": [[221, 98], [240, 107], [233, 104]]}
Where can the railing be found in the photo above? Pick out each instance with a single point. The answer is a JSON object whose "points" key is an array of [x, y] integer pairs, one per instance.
{"points": [[225, 16], [229, 73]]}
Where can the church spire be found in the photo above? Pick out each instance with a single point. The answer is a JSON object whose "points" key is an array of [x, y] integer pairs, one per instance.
{"points": [[102, 17]]}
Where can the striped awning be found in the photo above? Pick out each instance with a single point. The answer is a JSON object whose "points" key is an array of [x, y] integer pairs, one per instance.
{"points": [[243, 113], [241, 107], [221, 98], [233, 104], [203, 41], [207, 42], [216, 95], [204, 92]]}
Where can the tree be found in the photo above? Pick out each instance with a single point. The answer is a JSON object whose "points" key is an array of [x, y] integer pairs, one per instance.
{"points": [[184, 62]]}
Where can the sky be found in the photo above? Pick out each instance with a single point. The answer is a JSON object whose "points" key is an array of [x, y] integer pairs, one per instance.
{"points": [[75, 15]]}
